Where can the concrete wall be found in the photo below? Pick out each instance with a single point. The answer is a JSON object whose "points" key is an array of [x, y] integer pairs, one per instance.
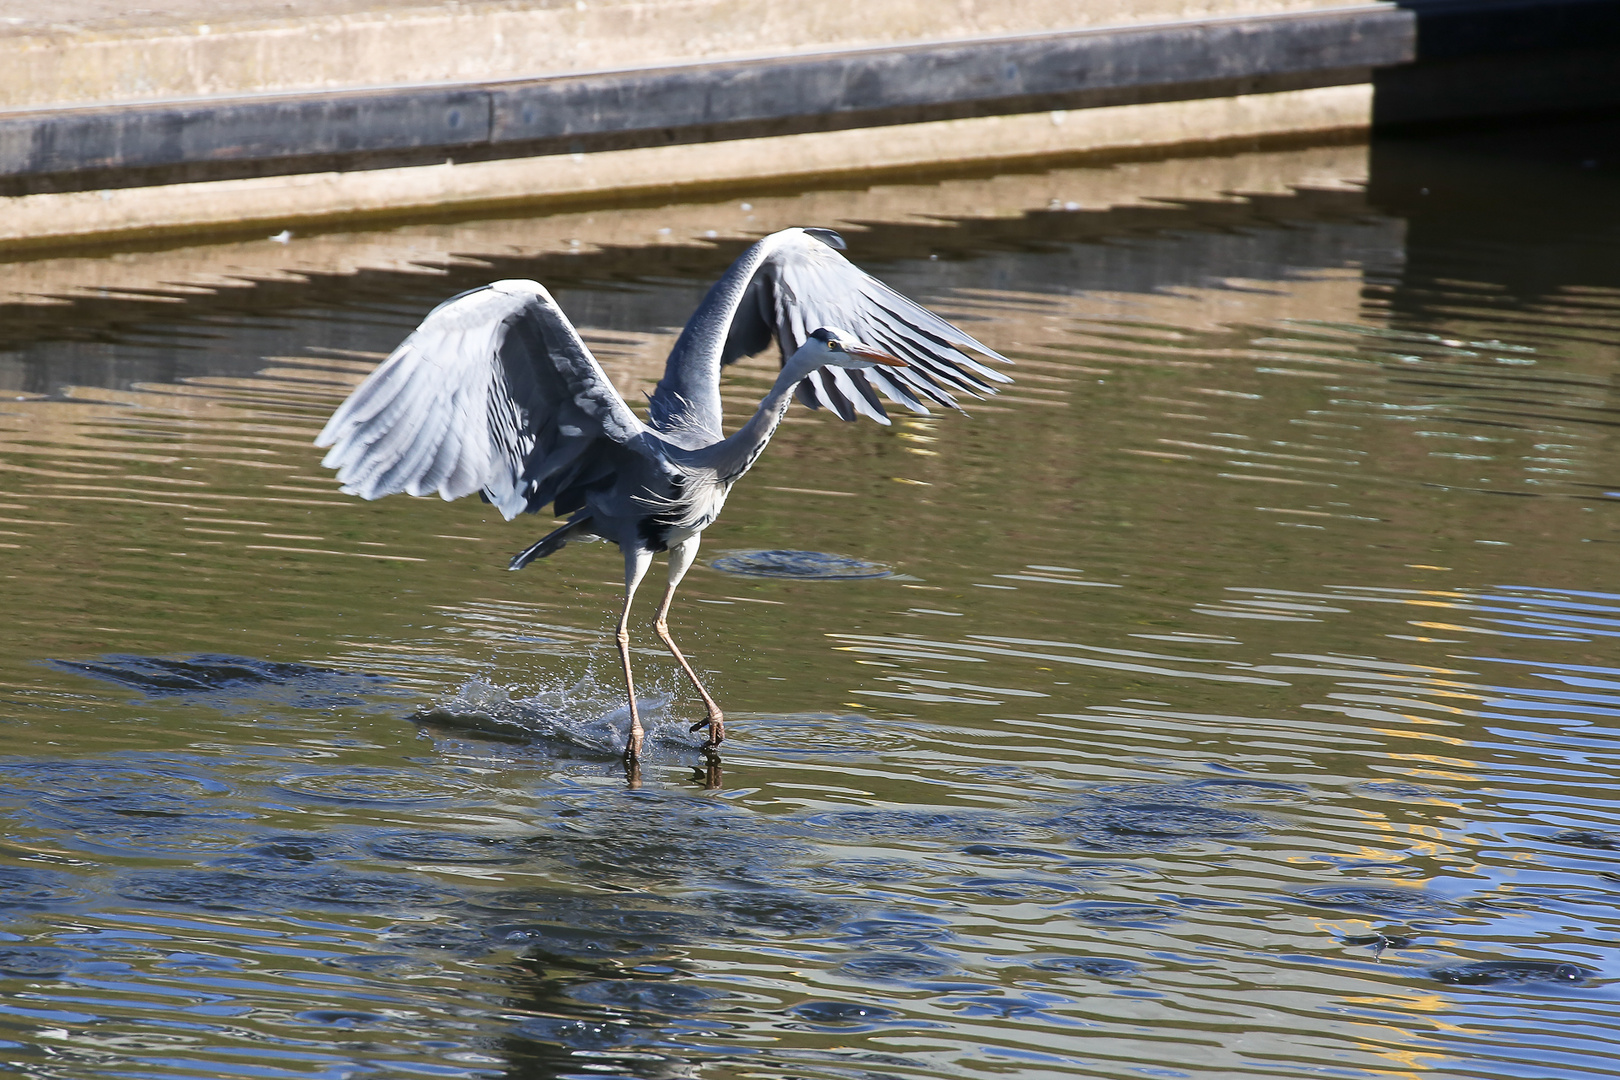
{"points": [[254, 115], [264, 205], [90, 52]]}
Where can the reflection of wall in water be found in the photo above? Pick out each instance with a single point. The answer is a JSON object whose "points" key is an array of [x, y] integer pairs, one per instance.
{"points": [[1523, 211], [1187, 235]]}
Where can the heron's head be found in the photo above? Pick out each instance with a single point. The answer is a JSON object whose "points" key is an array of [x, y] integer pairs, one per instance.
{"points": [[832, 347]]}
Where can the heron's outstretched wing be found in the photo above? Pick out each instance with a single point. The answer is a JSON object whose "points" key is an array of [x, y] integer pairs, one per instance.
{"points": [[494, 392], [790, 284]]}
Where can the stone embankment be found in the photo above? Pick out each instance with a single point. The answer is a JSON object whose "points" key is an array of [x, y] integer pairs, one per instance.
{"points": [[247, 115]]}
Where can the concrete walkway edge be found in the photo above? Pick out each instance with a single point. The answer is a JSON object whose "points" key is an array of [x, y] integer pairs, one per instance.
{"points": [[716, 102], [272, 203]]}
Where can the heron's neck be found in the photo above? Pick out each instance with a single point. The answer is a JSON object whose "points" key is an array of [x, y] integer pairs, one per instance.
{"points": [[735, 454]]}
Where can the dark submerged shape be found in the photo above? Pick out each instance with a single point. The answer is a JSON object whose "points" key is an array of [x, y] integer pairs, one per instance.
{"points": [[799, 566], [496, 393], [1513, 973]]}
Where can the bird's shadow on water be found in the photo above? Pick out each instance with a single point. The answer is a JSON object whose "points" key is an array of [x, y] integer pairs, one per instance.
{"points": [[233, 683], [798, 565]]}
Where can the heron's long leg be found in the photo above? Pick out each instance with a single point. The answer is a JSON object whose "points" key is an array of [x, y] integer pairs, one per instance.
{"points": [[680, 560], [636, 561]]}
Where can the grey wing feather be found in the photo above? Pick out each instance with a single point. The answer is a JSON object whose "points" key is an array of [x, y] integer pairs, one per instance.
{"points": [[790, 284], [494, 392], [822, 288]]}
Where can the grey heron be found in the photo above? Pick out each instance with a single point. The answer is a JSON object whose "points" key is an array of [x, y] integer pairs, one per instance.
{"points": [[497, 393]]}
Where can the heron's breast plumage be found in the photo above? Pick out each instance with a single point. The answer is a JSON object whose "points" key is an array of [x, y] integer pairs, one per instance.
{"points": [[685, 507]]}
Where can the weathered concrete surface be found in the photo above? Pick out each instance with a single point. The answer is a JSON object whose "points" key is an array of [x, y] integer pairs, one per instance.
{"points": [[271, 203], [117, 120], [97, 52], [244, 115], [708, 102]]}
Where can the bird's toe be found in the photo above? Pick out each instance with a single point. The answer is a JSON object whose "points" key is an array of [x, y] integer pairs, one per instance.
{"points": [[716, 723]]}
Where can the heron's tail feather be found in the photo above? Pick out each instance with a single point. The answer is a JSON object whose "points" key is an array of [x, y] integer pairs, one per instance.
{"points": [[553, 541]]}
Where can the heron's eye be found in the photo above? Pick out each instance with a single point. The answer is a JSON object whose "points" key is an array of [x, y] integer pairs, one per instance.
{"points": [[835, 346]]}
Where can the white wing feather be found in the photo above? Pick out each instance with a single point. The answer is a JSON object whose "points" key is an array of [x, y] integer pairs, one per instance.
{"points": [[494, 392]]}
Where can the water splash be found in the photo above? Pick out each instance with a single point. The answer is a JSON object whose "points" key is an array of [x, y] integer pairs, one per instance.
{"points": [[582, 718]]}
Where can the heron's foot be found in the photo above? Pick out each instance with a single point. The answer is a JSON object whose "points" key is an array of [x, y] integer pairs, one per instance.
{"points": [[716, 723], [632, 747]]}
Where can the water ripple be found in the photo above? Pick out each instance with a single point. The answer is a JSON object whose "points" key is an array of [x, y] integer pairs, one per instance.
{"points": [[1249, 670]]}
